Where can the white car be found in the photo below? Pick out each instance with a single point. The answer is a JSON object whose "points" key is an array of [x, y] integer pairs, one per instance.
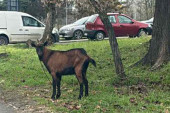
{"points": [[19, 27]]}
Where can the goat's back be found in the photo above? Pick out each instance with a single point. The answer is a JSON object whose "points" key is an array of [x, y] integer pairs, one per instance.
{"points": [[62, 60]]}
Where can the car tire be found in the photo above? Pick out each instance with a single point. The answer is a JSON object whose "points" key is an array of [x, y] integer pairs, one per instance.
{"points": [[55, 38], [99, 35], [78, 34], [141, 33], [3, 40], [131, 36]]}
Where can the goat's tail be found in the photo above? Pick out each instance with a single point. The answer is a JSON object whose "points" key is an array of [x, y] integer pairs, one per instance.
{"points": [[92, 61]]}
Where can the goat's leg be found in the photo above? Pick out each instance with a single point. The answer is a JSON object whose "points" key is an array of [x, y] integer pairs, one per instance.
{"points": [[85, 81], [58, 86], [79, 78], [81, 91], [54, 85]]}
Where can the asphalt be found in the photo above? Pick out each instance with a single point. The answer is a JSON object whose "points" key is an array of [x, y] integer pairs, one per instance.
{"points": [[6, 108]]}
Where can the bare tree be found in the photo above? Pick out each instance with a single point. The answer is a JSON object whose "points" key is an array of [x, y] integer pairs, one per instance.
{"points": [[84, 8], [159, 50], [50, 20], [100, 7], [140, 9]]}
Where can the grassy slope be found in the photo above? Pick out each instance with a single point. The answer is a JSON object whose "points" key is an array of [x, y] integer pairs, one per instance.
{"points": [[144, 91]]}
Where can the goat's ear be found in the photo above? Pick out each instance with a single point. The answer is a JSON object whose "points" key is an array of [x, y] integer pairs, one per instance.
{"points": [[46, 43]]}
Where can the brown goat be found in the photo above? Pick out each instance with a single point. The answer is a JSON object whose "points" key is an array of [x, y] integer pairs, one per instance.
{"points": [[58, 63]]}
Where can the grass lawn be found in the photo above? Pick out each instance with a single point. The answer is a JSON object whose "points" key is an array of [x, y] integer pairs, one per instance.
{"points": [[145, 91]]}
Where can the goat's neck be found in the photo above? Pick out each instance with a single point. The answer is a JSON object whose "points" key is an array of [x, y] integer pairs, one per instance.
{"points": [[46, 55]]}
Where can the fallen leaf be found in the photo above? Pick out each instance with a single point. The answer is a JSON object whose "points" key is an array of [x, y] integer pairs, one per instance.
{"points": [[132, 100], [167, 111], [77, 107], [98, 107], [69, 91], [2, 81], [144, 107], [26, 86]]}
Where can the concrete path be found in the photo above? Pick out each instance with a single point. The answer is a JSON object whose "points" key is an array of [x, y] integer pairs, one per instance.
{"points": [[5, 108]]}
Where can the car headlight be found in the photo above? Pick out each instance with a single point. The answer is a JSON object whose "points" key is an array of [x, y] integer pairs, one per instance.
{"points": [[149, 25]]}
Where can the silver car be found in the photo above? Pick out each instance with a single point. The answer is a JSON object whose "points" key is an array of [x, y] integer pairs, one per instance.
{"points": [[149, 22], [74, 30]]}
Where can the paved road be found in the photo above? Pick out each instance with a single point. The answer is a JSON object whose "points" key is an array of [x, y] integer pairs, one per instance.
{"points": [[5, 108]]}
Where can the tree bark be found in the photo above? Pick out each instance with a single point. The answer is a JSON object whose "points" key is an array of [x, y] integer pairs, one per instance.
{"points": [[50, 20], [112, 39], [159, 49]]}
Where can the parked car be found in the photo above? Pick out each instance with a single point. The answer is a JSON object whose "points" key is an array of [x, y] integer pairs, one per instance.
{"points": [[19, 27], [74, 30], [149, 22], [123, 26]]}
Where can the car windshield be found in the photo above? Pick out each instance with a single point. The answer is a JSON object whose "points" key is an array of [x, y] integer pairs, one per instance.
{"points": [[81, 21], [150, 20], [92, 18]]}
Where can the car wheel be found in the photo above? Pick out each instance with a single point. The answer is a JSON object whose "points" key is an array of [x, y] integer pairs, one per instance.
{"points": [[141, 33], [55, 38], [3, 40], [131, 36], [99, 35], [78, 34]]}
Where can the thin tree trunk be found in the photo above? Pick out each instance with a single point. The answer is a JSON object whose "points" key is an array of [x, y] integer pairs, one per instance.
{"points": [[159, 50], [50, 20], [113, 41], [146, 6], [114, 46]]}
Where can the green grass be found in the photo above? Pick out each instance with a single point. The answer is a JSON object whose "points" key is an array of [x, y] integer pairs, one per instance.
{"points": [[145, 91]]}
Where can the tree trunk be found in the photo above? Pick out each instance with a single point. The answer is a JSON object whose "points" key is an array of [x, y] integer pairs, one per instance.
{"points": [[113, 41], [50, 20], [159, 49], [146, 10]]}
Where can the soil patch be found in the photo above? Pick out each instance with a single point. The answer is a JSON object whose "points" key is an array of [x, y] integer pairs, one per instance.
{"points": [[22, 102]]}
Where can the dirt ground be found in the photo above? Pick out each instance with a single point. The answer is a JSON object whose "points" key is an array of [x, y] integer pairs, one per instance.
{"points": [[20, 101]]}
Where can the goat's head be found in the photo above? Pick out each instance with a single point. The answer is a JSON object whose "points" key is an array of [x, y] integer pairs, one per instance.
{"points": [[39, 48]]}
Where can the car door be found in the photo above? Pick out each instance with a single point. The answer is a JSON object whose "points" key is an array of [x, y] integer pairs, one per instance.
{"points": [[33, 29], [113, 21], [14, 27], [126, 27]]}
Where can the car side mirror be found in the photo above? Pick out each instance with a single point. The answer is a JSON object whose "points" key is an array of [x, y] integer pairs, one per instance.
{"points": [[132, 22]]}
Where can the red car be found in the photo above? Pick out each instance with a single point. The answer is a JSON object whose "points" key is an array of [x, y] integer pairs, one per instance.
{"points": [[123, 26]]}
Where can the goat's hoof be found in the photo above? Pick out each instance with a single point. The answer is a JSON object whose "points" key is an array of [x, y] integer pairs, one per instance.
{"points": [[57, 96], [79, 97], [53, 98], [86, 95]]}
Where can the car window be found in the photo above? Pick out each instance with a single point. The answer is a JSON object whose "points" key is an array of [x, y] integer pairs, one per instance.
{"points": [[92, 18], [81, 21], [112, 19], [123, 19], [28, 21]]}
